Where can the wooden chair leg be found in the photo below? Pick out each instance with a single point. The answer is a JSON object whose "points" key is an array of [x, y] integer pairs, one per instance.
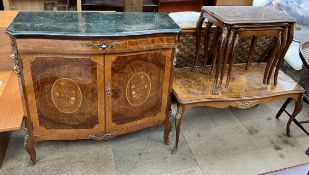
{"points": [[167, 127], [297, 109], [286, 103], [300, 126], [179, 115], [29, 145]]}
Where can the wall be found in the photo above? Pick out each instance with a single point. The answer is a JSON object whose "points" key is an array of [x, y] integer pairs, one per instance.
{"points": [[234, 2]]}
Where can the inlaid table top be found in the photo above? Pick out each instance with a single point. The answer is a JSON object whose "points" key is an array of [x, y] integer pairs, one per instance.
{"points": [[196, 86], [91, 24], [246, 14]]}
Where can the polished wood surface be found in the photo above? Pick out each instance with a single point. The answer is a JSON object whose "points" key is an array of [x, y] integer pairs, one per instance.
{"points": [[194, 88], [72, 101], [6, 17], [246, 15], [232, 27], [11, 110], [74, 89], [182, 5], [133, 5], [297, 170], [5, 60], [67, 46]]}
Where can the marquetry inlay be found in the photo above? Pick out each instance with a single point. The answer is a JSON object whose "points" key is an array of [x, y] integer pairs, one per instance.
{"points": [[66, 95], [138, 88]]}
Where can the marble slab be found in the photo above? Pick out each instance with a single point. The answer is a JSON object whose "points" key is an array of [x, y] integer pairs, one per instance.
{"points": [[90, 24]]}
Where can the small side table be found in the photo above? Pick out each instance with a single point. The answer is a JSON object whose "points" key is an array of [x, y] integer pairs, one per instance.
{"points": [[11, 109], [257, 21]]}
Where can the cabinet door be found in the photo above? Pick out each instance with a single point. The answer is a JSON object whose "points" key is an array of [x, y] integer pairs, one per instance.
{"points": [[64, 94], [137, 90]]}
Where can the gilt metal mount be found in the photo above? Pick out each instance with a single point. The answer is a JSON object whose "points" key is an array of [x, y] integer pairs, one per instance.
{"points": [[102, 137], [102, 45]]}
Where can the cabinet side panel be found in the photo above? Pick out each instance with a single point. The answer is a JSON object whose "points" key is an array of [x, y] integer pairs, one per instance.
{"points": [[66, 92]]}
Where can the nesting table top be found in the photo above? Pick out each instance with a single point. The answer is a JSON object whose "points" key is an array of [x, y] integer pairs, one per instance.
{"points": [[246, 14]]}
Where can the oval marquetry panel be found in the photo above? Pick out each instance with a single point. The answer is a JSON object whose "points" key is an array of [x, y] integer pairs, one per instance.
{"points": [[138, 88], [66, 95]]}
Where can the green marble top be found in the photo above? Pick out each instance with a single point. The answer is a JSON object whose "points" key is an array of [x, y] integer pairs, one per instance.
{"points": [[90, 24]]}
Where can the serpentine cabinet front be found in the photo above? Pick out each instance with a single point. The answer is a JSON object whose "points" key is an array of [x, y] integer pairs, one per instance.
{"points": [[74, 89]]}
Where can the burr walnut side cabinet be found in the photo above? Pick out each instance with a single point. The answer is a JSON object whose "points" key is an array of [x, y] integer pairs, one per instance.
{"points": [[92, 75]]}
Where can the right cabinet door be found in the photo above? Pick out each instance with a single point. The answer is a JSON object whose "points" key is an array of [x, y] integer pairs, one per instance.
{"points": [[138, 89]]}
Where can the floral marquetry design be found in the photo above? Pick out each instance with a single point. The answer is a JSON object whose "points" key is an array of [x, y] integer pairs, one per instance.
{"points": [[138, 88], [64, 89], [66, 95]]}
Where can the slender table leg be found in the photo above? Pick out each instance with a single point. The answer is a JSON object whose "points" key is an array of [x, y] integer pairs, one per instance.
{"points": [[271, 58], [4, 142], [206, 43], [179, 115], [233, 55], [297, 109], [225, 33], [227, 55], [281, 58], [214, 50], [276, 58], [284, 36], [267, 51], [251, 52], [167, 127], [199, 26]]}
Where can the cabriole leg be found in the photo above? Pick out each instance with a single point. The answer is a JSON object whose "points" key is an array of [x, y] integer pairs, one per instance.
{"points": [[29, 145], [179, 115], [167, 127]]}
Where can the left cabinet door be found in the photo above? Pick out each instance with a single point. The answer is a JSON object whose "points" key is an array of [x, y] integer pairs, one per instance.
{"points": [[64, 95]]}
